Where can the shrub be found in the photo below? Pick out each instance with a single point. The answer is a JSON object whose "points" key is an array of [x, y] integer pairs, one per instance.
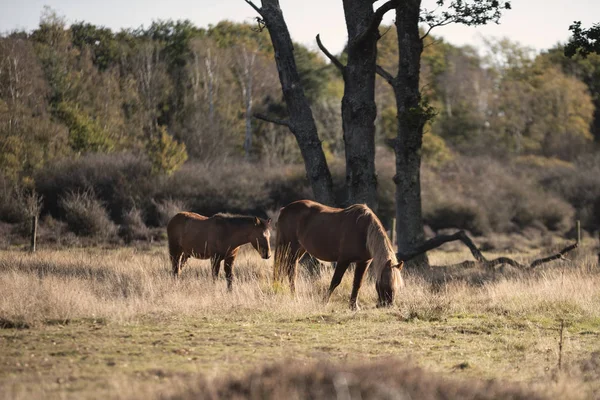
{"points": [[18, 204], [579, 186], [166, 209], [241, 187], [457, 215], [85, 215], [482, 195], [133, 226], [119, 180]]}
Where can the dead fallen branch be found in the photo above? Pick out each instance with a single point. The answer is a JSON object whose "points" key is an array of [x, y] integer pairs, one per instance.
{"points": [[480, 260]]}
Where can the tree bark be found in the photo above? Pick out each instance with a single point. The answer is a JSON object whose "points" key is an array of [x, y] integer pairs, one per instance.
{"points": [[411, 120], [301, 121], [358, 104]]}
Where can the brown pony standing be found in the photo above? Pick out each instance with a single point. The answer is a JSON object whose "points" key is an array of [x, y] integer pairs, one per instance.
{"points": [[353, 234], [218, 237]]}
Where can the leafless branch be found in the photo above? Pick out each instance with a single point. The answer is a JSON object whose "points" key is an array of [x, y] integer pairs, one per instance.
{"points": [[433, 42], [385, 33], [478, 255], [378, 15], [333, 59], [445, 22], [277, 121], [256, 8], [376, 21], [384, 74], [560, 254]]}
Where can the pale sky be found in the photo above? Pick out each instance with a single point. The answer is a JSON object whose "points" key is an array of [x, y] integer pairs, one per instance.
{"points": [[539, 24]]}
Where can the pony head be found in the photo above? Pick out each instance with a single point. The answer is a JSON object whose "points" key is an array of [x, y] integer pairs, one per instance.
{"points": [[388, 283], [261, 237]]}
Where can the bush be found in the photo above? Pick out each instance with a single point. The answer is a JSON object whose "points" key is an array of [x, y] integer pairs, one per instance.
{"points": [[240, 187], [482, 195], [457, 215], [166, 209], [119, 180], [381, 379], [18, 205], [580, 186], [85, 215], [133, 226]]}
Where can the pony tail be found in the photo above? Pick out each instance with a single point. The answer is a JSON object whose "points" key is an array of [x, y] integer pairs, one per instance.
{"points": [[278, 260]]}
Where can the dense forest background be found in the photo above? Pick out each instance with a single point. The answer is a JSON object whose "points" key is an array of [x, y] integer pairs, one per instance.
{"points": [[106, 133]]}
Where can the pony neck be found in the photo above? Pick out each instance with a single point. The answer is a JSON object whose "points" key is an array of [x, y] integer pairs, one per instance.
{"points": [[243, 234]]}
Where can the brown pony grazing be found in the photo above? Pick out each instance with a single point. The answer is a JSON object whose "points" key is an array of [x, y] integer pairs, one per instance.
{"points": [[218, 237], [350, 235]]}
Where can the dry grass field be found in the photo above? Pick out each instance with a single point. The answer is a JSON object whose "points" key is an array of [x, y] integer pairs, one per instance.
{"points": [[91, 323]]}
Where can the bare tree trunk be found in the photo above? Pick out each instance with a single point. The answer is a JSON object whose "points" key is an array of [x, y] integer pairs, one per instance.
{"points": [[210, 64], [301, 121], [358, 104], [246, 77], [411, 120]]}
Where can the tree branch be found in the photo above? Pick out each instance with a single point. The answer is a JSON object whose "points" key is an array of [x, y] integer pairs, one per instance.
{"points": [[256, 8], [560, 254], [440, 240], [378, 17], [447, 21], [277, 121], [333, 59], [384, 74], [478, 255]]}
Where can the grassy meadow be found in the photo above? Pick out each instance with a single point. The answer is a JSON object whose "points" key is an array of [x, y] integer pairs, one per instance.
{"points": [[91, 323]]}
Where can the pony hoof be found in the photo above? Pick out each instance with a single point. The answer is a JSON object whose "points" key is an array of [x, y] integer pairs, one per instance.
{"points": [[354, 307]]}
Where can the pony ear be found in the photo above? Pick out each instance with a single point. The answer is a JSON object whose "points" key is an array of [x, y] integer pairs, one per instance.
{"points": [[256, 221], [269, 222], [400, 265], [388, 264]]}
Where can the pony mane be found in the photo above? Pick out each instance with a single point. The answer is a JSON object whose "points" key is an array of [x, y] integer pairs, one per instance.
{"points": [[378, 243], [234, 219]]}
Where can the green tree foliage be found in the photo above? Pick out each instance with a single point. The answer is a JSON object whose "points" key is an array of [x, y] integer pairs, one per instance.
{"points": [[28, 135], [165, 153], [536, 108], [100, 40], [583, 41], [69, 90], [85, 133], [585, 69]]}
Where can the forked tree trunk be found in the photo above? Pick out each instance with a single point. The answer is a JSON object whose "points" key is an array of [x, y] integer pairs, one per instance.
{"points": [[301, 121], [358, 104], [411, 121]]}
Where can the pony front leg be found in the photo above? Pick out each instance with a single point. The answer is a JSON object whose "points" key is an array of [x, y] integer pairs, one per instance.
{"points": [[359, 273], [340, 270], [229, 270]]}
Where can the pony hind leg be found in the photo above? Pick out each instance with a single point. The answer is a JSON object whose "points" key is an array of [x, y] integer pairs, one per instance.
{"points": [[340, 270], [296, 253], [287, 254], [215, 266], [359, 273], [176, 254]]}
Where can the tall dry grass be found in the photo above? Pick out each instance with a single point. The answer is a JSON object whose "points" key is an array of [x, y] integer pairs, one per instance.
{"points": [[126, 284]]}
